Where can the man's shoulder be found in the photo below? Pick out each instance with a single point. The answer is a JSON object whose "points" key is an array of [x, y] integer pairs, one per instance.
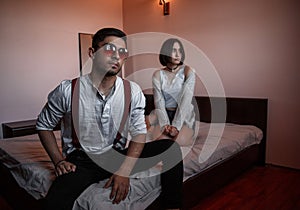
{"points": [[62, 86], [136, 90], [133, 85]]}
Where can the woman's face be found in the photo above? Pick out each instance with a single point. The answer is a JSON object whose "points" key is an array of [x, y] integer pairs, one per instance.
{"points": [[176, 54]]}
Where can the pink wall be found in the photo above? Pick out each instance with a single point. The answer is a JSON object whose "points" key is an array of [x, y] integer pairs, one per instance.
{"points": [[254, 47], [39, 48]]}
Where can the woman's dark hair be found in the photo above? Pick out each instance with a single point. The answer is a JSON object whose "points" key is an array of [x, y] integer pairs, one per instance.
{"points": [[100, 35], [166, 50]]}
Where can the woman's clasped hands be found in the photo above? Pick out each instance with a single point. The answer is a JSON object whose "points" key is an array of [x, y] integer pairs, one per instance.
{"points": [[170, 130]]}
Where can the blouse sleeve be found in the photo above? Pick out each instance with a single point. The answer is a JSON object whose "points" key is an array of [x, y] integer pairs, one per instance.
{"points": [[184, 104], [159, 101]]}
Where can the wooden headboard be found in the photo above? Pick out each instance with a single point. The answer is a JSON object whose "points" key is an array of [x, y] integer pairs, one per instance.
{"points": [[244, 111]]}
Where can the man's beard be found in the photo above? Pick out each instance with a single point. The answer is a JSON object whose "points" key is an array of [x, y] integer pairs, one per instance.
{"points": [[112, 73]]}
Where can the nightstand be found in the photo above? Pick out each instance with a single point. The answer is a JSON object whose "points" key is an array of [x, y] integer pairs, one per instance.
{"points": [[18, 128]]}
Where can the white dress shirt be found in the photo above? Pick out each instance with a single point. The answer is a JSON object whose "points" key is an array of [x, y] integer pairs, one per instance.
{"points": [[98, 118]]}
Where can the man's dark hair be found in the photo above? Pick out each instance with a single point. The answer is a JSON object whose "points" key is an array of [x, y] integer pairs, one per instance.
{"points": [[100, 35], [166, 50]]}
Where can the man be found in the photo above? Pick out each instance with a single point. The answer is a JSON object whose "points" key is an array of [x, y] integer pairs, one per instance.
{"points": [[99, 98]]}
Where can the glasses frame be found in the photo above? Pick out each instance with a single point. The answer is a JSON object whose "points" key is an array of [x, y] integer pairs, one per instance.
{"points": [[110, 49]]}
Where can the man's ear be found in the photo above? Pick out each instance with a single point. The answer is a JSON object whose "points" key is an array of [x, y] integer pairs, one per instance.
{"points": [[91, 52]]}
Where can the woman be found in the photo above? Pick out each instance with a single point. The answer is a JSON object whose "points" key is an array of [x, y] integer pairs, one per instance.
{"points": [[173, 88]]}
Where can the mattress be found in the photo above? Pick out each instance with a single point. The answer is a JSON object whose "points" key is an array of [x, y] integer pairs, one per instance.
{"points": [[215, 142]]}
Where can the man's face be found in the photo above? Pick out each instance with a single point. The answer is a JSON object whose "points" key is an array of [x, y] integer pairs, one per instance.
{"points": [[111, 55]]}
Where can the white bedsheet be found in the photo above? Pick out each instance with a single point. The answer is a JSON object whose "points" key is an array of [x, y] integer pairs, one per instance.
{"points": [[29, 163], [142, 192], [33, 170], [216, 142]]}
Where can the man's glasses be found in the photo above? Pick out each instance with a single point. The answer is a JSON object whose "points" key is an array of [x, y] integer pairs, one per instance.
{"points": [[109, 49]]}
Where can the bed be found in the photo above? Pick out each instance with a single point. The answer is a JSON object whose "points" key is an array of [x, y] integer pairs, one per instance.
{"points": [[246, 114]]}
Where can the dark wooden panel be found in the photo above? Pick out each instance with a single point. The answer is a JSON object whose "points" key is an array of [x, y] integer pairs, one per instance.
{"points": [[20, 128]]}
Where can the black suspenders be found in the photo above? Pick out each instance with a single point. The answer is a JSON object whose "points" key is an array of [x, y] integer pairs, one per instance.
{"points": [[74, 110]]}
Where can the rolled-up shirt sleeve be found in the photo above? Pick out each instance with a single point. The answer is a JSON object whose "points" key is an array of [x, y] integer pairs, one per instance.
{"points": [[137, 118], [58, 104]]}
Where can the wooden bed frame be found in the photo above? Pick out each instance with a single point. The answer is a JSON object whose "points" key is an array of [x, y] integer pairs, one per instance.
{"points": [[251, 111]]}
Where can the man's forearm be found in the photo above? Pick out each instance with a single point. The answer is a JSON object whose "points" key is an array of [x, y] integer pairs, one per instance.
{"points": [[49, 142]]}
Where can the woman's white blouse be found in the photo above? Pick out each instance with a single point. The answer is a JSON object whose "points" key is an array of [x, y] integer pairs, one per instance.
{"points": [[174, 93], [171, 90]]}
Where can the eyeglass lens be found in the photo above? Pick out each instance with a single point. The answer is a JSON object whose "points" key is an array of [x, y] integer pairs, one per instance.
{"points": [[110, 49]]}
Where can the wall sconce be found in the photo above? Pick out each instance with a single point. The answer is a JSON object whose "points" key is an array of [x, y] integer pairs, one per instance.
{"points": [[166, 7]]}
